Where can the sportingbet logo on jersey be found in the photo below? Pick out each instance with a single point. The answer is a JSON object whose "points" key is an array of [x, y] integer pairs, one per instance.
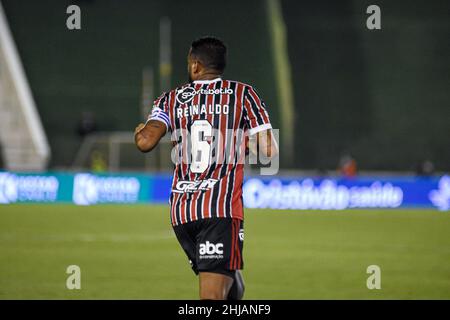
{"points": [[210, 250], [193, 186], [185, 95]]}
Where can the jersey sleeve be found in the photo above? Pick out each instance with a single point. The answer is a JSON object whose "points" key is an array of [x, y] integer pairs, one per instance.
{"points": [[160, 111], [256, 116]]}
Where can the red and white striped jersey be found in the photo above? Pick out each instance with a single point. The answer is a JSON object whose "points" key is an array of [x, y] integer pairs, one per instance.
{"points": [[209, 121]]}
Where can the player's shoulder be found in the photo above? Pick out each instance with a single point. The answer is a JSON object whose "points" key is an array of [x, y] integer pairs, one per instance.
{"points": [[240, 84], [167, 96], [181, 87], [176, 90], [248, 89]]}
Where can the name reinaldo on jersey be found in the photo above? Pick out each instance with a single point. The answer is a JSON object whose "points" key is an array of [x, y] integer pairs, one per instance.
{"points": [[200, 116], [193, 110]]}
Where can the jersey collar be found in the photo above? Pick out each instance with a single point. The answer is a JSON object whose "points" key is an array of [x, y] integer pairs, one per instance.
{"points": [[207, 81]]}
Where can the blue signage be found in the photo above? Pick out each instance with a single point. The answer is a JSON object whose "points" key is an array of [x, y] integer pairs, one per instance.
{"points": [[258, 192], [338, 194]]}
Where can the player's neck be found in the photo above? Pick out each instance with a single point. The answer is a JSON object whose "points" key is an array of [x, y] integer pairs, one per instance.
{"points": [[208, 76]]}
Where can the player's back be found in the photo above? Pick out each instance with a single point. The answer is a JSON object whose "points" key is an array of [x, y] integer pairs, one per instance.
{"points": [[209, 121]]}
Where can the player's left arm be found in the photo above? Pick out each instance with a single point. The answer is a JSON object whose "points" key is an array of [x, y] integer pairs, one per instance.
{"points": [[266, 144], [148, 135], [260, 130]]}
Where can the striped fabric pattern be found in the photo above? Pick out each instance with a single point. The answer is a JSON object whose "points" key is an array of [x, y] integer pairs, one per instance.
{"points": [[231, 109]]}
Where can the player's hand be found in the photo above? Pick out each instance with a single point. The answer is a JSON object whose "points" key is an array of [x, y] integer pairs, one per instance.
{"points": [[139, 128]]}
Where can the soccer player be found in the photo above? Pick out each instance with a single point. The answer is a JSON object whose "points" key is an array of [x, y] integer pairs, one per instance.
{"points": [[211, 121]]}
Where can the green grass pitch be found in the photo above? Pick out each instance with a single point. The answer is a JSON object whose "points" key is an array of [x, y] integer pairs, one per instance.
{"points": [[130, 252]]}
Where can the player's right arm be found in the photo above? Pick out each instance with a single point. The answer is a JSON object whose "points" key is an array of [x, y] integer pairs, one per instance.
{"points": [[148, 135]]}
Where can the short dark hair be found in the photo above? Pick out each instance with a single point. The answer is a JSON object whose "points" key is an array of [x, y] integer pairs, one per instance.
{"points": [[211, 52]]}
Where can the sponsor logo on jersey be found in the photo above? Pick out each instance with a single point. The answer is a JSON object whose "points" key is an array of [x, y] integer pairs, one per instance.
{"points": [[185, 95], [183, 186], [209, 250]]}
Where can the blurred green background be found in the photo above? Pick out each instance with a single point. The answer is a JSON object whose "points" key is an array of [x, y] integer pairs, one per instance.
{"points": [[380, 95]]}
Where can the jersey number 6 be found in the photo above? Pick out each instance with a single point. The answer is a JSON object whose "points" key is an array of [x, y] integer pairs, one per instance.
{"points": [[201, 149]]}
